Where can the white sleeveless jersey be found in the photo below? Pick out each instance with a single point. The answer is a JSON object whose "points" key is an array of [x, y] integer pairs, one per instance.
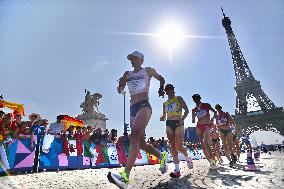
{"points": [[138, 82]]}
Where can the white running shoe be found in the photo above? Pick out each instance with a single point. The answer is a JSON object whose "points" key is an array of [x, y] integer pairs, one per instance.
{"points": [[118, 179]]}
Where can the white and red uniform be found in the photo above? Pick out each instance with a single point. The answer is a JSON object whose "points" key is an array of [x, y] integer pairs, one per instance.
{"points": [[202, 111]]}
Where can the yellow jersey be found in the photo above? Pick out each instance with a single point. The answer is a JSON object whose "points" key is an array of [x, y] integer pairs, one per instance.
{"points": [[173, 107]]}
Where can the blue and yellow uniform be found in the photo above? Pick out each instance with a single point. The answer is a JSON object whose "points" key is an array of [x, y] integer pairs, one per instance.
{"points": [[173, 109]]}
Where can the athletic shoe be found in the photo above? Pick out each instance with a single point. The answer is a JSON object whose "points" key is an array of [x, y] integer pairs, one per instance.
{"points": [[190, 164], [215, 162], [231, 164], [234, 159], [212, 164], [121, 179], [175, 174], [163, 162]]}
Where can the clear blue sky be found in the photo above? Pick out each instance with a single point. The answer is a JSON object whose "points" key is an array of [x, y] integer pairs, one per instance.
{"points": [[50, 51]]}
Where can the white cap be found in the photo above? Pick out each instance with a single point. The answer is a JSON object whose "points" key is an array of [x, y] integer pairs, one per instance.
{"points": [[137, 54]]}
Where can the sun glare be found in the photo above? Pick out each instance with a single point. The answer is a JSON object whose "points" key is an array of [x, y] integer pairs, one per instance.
{"points": [[170, 35]]}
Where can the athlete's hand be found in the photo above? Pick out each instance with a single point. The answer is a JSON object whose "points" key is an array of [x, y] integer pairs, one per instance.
{"points": [[162, 118], [161, 92], [120, 90]]}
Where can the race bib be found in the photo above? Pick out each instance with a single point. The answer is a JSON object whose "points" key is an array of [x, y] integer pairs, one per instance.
{"points": [[222, 121], [171, 107], [136, 83], [213, 130], [201, 113]]}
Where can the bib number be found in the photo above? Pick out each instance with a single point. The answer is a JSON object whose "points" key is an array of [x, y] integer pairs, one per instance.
{"points": [[222, 121], [171, 107], [137, 85], [201, 113]]}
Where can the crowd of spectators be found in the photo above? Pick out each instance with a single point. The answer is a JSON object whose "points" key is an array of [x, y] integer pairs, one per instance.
{"points": [[12, 126]]}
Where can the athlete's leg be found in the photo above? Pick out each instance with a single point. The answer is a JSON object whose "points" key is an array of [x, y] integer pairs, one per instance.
{"points": [[225, 145], [138, 129], [179, 138], [232, 148], [171, 138], [149, 148], [238, 150], [218, 150], [213, 144], [207, 143], [201, 140]]}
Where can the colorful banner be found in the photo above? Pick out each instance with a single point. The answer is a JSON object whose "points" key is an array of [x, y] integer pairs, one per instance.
{"points": [[113, 155], [17, 155], [58, 153]]}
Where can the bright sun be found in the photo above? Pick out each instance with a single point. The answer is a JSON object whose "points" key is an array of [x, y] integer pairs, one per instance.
{"points": [[170, 35]]}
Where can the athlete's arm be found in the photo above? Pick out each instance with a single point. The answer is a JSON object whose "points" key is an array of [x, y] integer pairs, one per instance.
{"points": [[231, 121], [193, 115], [184, 106], [152, 73], [122, 83], [163, 117], [213, 110]]}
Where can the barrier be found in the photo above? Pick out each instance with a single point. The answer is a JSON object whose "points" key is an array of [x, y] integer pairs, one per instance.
{"points": [[60, 154], [17, 155]]}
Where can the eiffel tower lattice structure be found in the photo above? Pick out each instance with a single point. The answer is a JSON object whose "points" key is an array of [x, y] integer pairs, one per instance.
{"points": [[254, 109]]}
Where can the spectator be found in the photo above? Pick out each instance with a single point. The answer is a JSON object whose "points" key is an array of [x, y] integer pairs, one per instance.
{"points": [[38, 129], [15, 123], [87, 143], [1, 114], [97, 136], [72, 131], [33, 118], [113, 136], [79, 140], [56, 128], [89, 132], [4, 127], [23, 129], [106, 137]]}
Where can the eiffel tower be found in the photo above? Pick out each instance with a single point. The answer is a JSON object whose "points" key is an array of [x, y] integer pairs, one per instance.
{"points": [[254, 109]]}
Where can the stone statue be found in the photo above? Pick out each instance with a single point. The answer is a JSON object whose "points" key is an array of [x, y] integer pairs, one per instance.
{"points": [[90, 102], [90, 108]]}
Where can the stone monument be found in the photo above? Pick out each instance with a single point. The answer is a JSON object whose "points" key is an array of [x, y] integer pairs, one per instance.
{"points": [[91, 116]]}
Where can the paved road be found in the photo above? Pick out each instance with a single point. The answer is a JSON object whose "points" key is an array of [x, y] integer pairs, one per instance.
{"points": [[271, 175]]}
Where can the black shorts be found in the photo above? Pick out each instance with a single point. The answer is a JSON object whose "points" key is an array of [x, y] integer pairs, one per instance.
{"points": [[173, 124], [134, 109]]}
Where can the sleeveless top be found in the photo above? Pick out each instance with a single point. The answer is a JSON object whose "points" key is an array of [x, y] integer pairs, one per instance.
{"points": [[138, 82], [202, 110], [173, 107], [223, 119]]}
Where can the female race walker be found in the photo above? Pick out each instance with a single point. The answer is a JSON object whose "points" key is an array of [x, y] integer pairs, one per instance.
{"points": [[201, 111], [172, 110], [138, 82], [224, 122], [215, 142]]}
